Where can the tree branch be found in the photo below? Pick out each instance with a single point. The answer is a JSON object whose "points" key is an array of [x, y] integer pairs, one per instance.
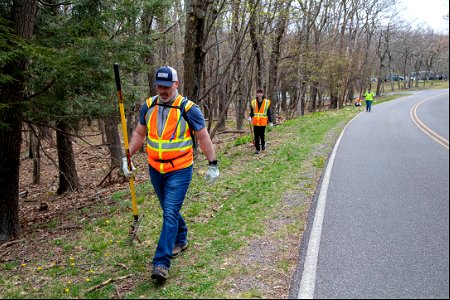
{"points": [[43, 90], [106, 282]]}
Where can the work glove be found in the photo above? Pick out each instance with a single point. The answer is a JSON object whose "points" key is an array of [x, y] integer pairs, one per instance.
{"points": [[271, 124], [249, 119], [125, 168], [212, 173]]}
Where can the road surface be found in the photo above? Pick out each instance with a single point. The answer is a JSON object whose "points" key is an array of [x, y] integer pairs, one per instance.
{"points": [[381, 222]]}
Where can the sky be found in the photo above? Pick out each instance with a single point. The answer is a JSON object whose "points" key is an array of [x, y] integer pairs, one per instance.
{"points": [[430, 12]]}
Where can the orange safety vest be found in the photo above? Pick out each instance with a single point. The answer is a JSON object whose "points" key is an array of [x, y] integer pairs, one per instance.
{"points": [[173, 150], [260, 117]]}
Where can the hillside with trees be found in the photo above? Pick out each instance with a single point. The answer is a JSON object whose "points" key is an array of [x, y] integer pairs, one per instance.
{"points": [[57, 88]]}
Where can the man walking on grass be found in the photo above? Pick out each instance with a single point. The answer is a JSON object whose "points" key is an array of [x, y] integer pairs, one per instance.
{"points": [[261, 115], [168, 122]]}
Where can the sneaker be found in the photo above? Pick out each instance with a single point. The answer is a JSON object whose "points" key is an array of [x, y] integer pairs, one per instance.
{"points": [[178, 248], [160, 273], [257, 152]]}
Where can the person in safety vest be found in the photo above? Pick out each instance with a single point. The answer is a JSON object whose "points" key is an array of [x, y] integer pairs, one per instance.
{"points": [[369, 96], [168, 122], [260, 116]]}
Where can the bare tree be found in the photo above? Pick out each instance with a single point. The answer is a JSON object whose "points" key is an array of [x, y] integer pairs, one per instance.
{"points": [[195, 39], [257, 35], [280, 27], [237, 27]]}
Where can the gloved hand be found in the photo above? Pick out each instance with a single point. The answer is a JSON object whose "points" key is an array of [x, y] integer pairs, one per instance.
{"points": [[249, 119], [212, 173], [271, 124], [125, 169]]}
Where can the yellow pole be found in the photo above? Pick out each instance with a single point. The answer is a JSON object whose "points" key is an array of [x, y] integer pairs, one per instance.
{"points": [[125, 139]]}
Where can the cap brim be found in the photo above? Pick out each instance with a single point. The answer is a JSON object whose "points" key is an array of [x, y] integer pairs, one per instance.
{"points": [[164, 83]]}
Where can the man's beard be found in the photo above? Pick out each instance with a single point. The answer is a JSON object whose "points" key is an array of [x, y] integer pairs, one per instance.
{"points": [[165, 97]]}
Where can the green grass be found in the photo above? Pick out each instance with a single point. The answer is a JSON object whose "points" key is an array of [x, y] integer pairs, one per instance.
{"points": [[221, 217], [242, 140]]}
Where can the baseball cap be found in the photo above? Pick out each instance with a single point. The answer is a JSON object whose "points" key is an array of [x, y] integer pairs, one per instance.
{"points": [[165, 76]]}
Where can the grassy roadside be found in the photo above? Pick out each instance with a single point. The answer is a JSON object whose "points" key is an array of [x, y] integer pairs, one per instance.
{"points": [[254, 200]]}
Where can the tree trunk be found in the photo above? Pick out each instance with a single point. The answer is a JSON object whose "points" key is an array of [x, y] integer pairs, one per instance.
{"points": [[240, 105], [257, 44], [101, 127], [113, 141], [26, 139], [194, 53], [35, 145], [23, 15], [275, 55], [130, 118], [314, 93], [302, 102], [149, 57], [222, 101], [68, 178]]}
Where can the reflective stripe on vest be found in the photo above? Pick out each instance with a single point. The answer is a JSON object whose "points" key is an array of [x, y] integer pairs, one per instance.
{"points": [[260, 116], [167, 153]]}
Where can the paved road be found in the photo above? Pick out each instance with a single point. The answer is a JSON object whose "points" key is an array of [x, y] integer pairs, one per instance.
{"points": [[385, 229]]}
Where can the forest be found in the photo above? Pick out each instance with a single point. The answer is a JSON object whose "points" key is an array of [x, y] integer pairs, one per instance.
{"points": [[57, 77]]}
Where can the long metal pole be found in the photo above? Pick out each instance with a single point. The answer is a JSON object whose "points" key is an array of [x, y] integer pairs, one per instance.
{"points": [[125, 140]]}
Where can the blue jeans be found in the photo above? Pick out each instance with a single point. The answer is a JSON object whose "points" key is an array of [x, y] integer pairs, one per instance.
{"points": [[171, 189], [368, 105]]}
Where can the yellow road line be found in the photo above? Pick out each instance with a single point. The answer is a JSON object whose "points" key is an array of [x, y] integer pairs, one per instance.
{"points": [[436, 137]]}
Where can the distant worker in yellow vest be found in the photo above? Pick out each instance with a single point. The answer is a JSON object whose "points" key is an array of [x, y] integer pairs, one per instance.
{"points": [[168, 122], [369, 96], [261, 116]]}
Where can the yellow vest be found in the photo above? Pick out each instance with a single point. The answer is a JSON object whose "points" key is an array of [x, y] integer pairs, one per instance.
{"points": [[369, 96]]}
